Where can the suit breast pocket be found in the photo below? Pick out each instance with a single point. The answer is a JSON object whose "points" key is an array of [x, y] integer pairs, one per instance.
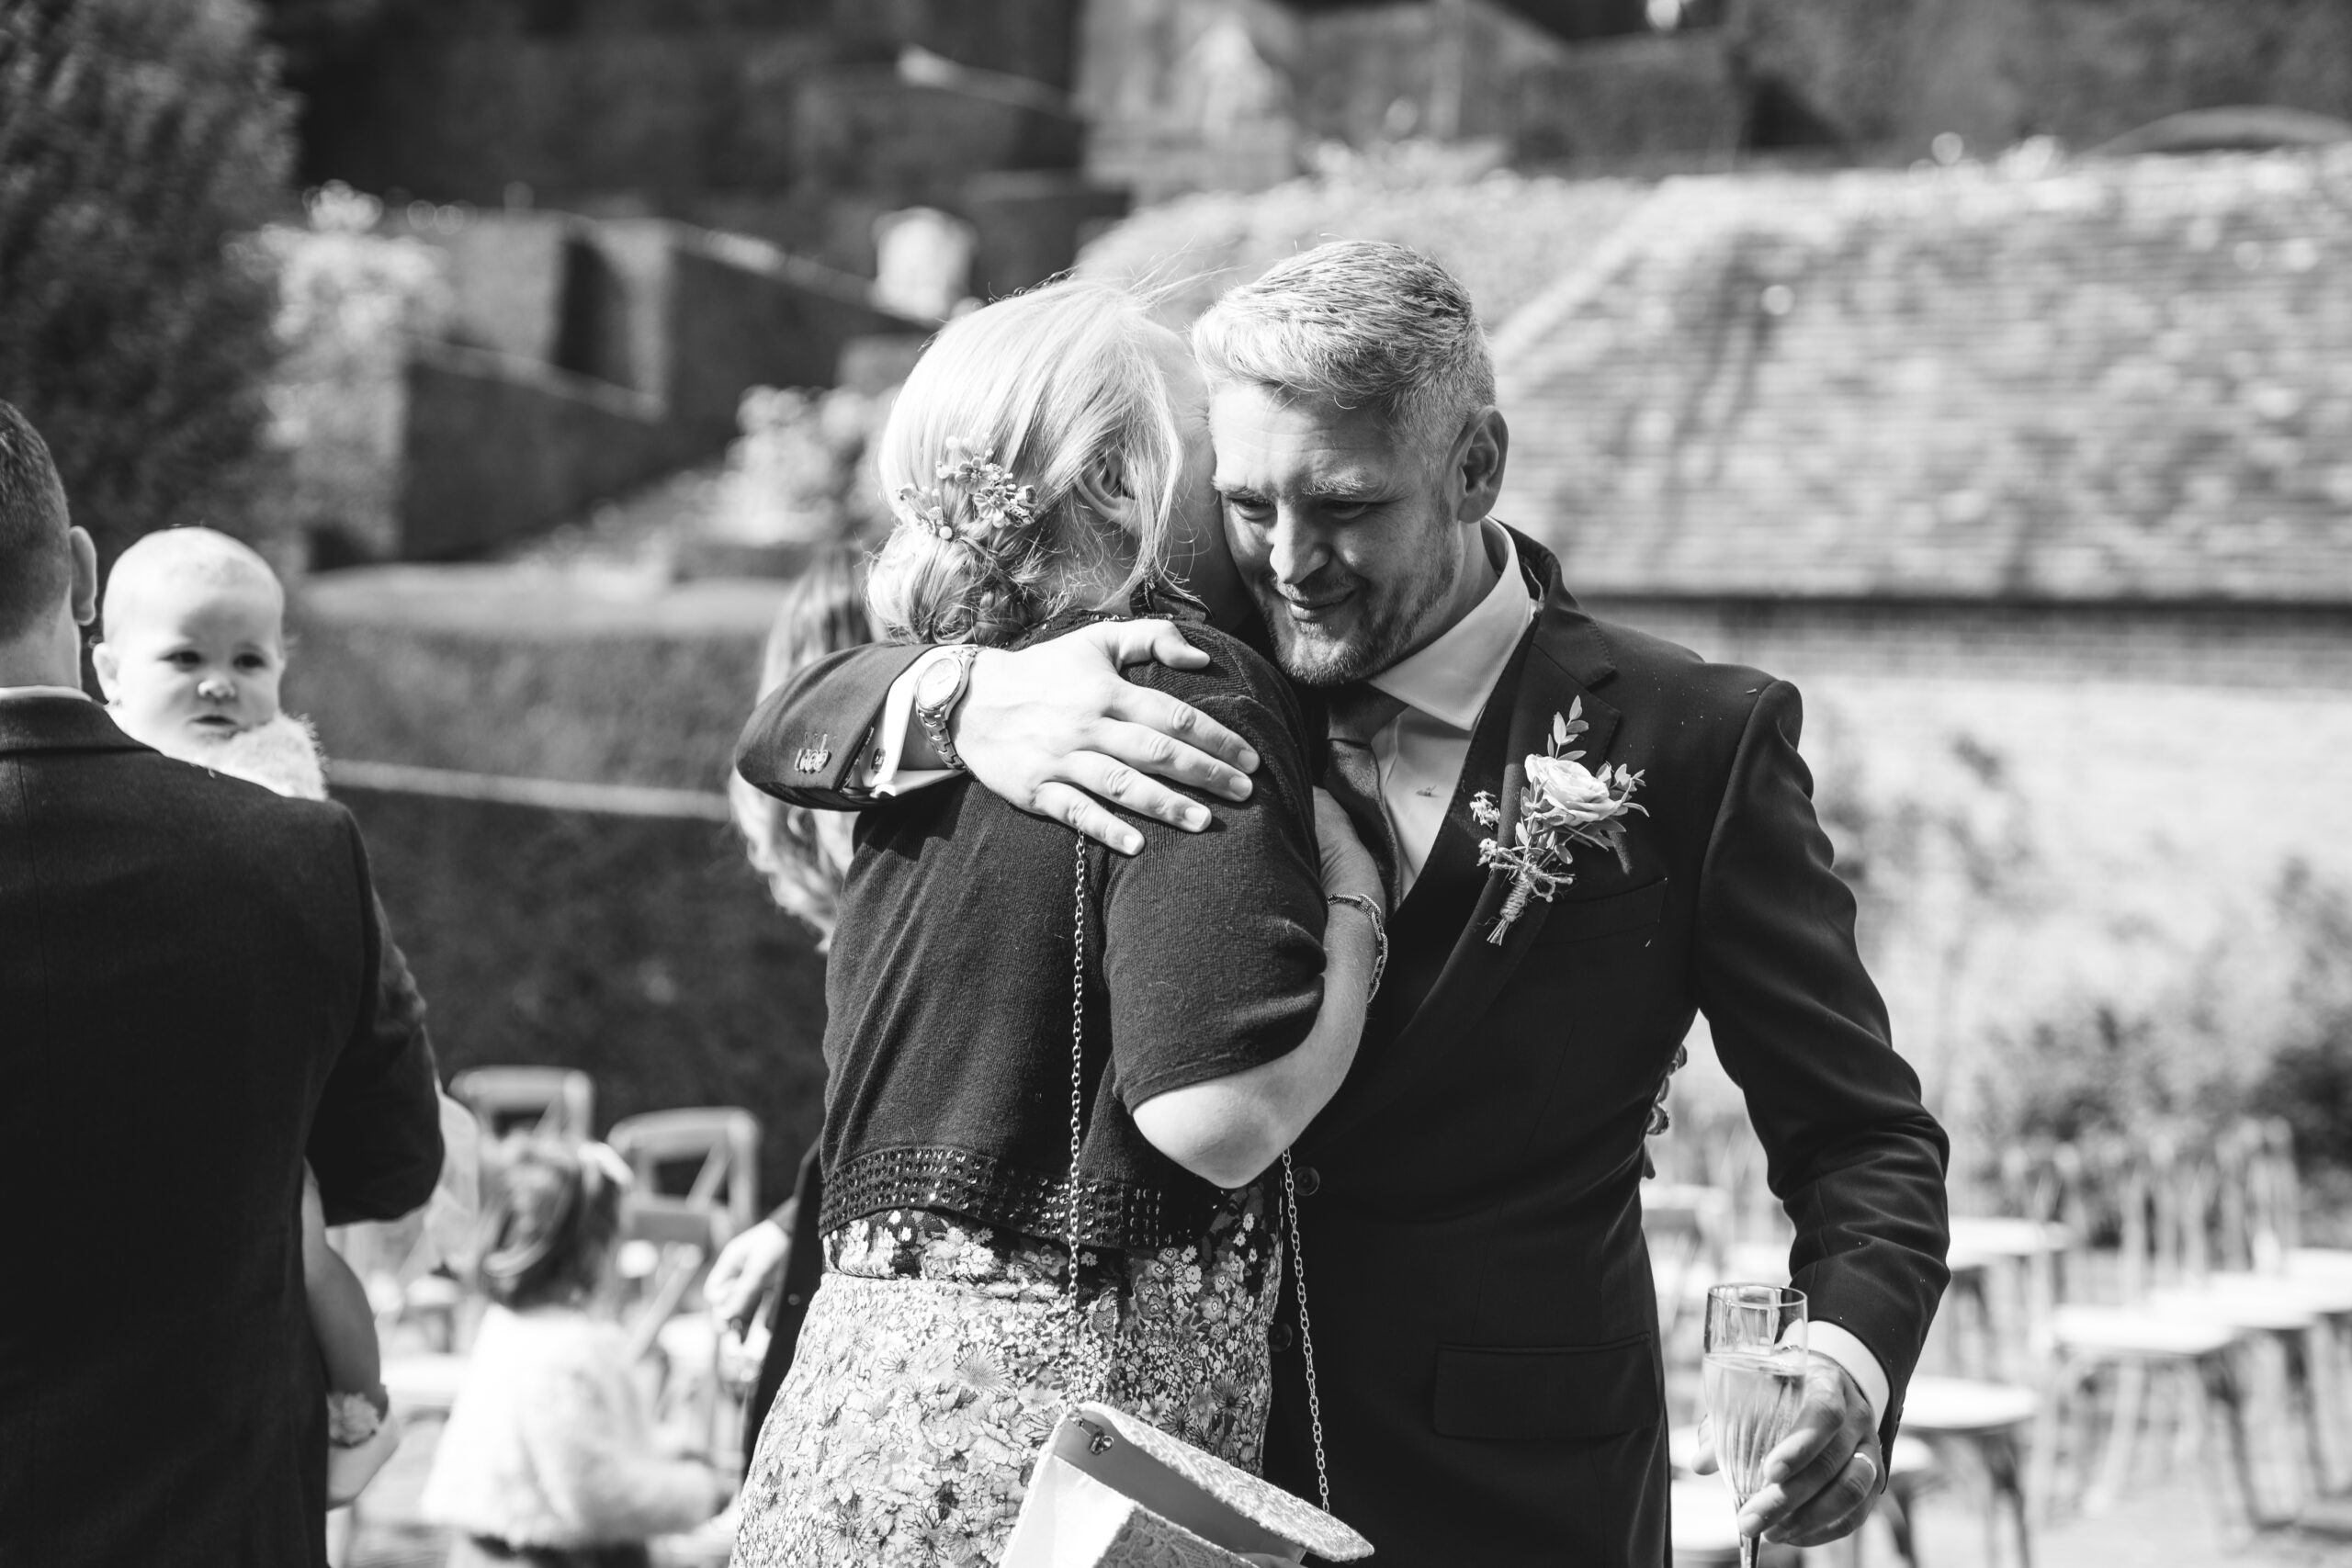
{"points": [[1611, 914]]}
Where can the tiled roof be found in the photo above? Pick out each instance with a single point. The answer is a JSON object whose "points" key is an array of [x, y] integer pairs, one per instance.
{"points": [[2104, 380], [1506, 236]]}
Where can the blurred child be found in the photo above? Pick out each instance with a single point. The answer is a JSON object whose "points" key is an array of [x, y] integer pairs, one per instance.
{"points": [[549, 1457], [194, 646]]}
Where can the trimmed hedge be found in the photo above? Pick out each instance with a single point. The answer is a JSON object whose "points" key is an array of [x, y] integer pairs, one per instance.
{"points": [[641, 951], [497, 671]]}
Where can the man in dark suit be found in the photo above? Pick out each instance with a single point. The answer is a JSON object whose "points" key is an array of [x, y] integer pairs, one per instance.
{"points": [[1482, 1309], [190, 978]]}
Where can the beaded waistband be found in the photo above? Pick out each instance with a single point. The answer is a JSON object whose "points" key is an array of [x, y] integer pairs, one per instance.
{"points": [[1128, 1215]]}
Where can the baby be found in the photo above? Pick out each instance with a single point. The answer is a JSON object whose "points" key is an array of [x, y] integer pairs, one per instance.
{"points": [[194, 649]]}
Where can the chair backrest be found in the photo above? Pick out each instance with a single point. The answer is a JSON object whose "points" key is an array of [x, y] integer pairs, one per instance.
{"points": [[683, 1234], [722, 1143], [2043, 1180], [2051, 1184], [2280, 1217], [2198, 1204], [561, 1101]]}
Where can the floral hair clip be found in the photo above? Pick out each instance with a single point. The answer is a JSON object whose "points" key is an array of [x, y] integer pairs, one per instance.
{"points": [[927, 512], [996, 502]]}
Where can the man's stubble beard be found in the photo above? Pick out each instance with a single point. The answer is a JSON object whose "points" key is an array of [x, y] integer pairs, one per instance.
{"points": [[1378, 645]]}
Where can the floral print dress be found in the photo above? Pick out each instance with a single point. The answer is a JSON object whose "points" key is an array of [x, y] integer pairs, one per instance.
{"points": [[938, 1353]]}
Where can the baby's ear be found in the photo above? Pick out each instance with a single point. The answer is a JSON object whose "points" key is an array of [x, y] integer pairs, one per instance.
{"points": [[108, 664]]}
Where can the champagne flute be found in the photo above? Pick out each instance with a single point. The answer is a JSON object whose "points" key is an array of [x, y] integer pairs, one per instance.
{"points": [[1753, 1379]]}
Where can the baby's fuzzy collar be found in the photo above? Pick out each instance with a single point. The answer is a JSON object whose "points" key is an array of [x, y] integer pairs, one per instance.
{"points": [[282, 755]]}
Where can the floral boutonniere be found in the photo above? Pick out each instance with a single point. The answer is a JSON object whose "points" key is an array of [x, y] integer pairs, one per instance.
{"points": [[1562, 804]]}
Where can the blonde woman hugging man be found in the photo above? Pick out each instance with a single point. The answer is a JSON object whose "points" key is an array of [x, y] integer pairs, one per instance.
{"points": [[1468, 1169]]}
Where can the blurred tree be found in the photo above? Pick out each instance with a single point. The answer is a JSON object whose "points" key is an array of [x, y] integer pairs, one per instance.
{"points": [[139, 140]]}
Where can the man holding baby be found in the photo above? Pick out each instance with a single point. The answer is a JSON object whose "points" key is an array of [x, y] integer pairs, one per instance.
{"points": [[190, 1010]]}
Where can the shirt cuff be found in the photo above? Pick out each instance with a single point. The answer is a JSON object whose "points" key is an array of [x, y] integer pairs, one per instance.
{"points": [[1843, 1347], [879, 769]]}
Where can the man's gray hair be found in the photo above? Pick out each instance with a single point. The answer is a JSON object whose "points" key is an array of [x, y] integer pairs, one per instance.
{"points": [[1362, 324]]}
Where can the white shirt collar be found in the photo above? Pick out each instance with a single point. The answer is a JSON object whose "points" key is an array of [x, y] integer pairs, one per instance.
{"points": [[1451, 679], [8, 692]]}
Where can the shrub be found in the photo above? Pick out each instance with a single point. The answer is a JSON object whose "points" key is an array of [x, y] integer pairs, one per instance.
{"points": [[640, 950], [349, 300], [2257, 1021], [2309, 1078], [138, 139], [803, 468]]}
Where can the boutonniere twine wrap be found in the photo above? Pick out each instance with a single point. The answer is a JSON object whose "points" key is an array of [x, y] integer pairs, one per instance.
{"points": [[1562, 804]]}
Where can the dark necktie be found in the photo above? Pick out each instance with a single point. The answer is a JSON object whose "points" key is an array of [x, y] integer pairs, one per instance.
{"points": [[1359, 711]]}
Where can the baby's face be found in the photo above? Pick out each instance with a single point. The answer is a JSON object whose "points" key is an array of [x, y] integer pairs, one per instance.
{"points": [[201, 660]]}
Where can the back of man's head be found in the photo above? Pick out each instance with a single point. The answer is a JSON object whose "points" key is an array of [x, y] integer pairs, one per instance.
{"points": [[36, 560], [1360, 324]]}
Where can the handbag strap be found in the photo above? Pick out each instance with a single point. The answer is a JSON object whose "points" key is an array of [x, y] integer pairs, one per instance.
{"points": [[1306, 1332], [1093, 1369]]}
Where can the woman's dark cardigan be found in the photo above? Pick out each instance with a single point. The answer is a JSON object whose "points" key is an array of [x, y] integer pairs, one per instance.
{"points": [[949, 989]]}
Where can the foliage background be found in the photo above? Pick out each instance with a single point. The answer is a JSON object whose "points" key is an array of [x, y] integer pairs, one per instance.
{"points": [[139, 139], [640, 950]]}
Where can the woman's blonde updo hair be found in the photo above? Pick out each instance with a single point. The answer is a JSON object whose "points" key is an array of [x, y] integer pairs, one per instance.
{"points": [[1052, 385]]}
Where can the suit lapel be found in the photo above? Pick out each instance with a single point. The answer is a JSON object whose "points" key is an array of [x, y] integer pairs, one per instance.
{"points": [[1446, 970]]}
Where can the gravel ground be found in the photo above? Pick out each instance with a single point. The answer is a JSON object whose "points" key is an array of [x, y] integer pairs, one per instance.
{"points": [[2165, 1522]]}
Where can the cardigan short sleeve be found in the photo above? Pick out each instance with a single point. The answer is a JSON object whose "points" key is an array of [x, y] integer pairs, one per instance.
{"points": [[1213, 941]]}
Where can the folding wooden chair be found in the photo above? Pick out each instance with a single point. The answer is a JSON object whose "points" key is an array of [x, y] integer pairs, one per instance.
{"points": [[720, 1141], [720, 1146], [559, 1101], [2144, 1348]]}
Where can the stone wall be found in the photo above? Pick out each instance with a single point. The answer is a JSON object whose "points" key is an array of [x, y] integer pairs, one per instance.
{"points": [[1203, 95], [2050, 812], [589, 357], [787, 121], [1897, 72]]}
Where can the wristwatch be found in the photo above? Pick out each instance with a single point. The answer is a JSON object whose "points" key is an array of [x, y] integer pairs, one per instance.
{"points": [[938, 691]]}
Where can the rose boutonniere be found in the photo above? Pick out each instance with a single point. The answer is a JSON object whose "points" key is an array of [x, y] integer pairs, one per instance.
{"points": [[1562, 804]]}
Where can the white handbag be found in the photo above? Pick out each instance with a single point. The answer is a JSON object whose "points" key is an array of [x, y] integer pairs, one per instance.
{"points": [[1111, 1490]]}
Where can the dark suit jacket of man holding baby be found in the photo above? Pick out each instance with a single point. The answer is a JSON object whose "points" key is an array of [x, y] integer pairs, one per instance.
{"points": [[190, 978], [1480, 1296]]}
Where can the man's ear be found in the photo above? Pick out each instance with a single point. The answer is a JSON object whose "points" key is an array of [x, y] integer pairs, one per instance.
{"points": [[1486, 446], [85, 575], [108, 664], [1104, 489]]}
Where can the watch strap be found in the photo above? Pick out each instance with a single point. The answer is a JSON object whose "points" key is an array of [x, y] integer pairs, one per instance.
{"points": [[935, 715]]}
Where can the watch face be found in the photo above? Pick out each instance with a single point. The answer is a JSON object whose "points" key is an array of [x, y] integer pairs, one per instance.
{"points": [[938, 684]]}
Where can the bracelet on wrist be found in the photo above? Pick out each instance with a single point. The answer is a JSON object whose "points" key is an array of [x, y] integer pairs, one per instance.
{"points": [[1379, 919]]}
